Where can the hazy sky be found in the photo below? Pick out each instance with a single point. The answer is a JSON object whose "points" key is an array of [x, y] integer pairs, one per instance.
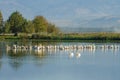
{"points": [[62, 12]]}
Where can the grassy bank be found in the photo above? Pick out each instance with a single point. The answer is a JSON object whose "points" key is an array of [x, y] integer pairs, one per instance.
{"points": [[100, 36]]}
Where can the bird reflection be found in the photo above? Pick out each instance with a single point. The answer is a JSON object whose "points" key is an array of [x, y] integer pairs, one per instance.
{"points": [[71, 55], [77, 55], [40, 53]]}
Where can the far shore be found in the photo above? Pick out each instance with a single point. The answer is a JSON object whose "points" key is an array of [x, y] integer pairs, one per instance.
{"points": [[66, 37]]}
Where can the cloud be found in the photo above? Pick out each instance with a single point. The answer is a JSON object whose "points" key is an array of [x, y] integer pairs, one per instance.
{"points": [[118, 21], [7, 7], [62, 22], [6, 2], [82, 11], [81, 17], [86, 13], [63, 12]]}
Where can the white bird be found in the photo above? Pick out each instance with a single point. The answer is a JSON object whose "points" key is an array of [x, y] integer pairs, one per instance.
{"points": [[71, 55], [14, 46], [78, 55]]}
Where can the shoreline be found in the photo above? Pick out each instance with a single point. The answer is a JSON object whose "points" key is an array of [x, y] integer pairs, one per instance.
{"points": [[70, 37], [87, 41]]}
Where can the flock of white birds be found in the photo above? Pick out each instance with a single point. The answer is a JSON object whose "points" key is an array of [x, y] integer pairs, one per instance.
{"points": [[61, 47]]}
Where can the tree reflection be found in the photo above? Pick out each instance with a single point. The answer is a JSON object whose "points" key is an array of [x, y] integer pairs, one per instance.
{"points": [[15, 64], [1, 54], [16, 54], [16, 58], [0, 63]]}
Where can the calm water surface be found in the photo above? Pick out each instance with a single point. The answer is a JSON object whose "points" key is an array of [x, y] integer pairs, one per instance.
{"points": [[97, 64]]}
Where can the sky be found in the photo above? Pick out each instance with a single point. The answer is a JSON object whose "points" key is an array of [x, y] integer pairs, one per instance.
{"points": [[63, 13]]}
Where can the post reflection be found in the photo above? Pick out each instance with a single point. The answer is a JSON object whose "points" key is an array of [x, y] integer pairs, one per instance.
{"points": [[0, 60], [1, 56]]}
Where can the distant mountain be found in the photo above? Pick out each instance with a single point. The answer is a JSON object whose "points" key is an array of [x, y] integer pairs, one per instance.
{"points": [[104, 24], [66, 29]]}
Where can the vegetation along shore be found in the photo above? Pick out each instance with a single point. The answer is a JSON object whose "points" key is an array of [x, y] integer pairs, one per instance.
{"points": [[17, 27]]}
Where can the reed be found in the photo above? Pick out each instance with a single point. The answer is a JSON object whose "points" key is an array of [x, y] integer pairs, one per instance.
{"points": [[102, 36]]}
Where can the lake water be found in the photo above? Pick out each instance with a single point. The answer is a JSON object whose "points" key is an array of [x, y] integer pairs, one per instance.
{"points": [[92, 64]]}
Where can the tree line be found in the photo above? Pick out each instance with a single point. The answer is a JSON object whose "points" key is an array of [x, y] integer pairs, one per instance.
{"points": [[16, 23]]}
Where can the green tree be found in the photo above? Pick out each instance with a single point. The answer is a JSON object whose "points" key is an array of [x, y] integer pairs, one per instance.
{"points": [[52, 28], [1, 22], [23, 26], [29, 27], [16, 21], [7, 27], [40, 24]]}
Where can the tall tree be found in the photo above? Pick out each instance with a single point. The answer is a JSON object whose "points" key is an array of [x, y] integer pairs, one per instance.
{"points": [[52, 28], [7, 28], [29, 27], [16, 21], [1, 22], [40, 24]]}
